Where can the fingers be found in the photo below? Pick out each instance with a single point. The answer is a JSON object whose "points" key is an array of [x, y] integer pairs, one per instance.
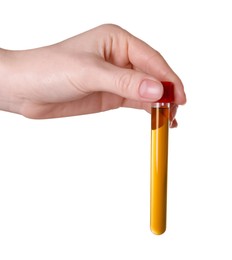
{"points": [[122, 49]]}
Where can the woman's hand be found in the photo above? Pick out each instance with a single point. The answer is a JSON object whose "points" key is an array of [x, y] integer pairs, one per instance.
{"points": [[101, 69]]}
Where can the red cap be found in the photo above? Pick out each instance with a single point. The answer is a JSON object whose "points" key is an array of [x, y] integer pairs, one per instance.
{"points": [[168, 95]]}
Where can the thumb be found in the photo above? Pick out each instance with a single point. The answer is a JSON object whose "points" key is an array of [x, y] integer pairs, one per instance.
{"points": [[128, 83], [150, 89]]}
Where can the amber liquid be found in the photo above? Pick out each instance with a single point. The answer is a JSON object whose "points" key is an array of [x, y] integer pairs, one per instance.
{"points": [[159, 161]]}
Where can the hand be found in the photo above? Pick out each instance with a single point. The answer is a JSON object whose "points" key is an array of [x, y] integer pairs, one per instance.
{"points": [[101, 69]]}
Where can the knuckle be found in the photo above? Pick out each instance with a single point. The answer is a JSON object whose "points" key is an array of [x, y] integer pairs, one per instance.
{"points": [[124, 83], [110, 26]]}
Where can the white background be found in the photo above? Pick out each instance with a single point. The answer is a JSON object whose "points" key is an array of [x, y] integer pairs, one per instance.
{"points": [[78, 188]]}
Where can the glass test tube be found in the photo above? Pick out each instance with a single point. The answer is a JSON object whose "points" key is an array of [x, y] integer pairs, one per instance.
{"points": [[159, 159]]}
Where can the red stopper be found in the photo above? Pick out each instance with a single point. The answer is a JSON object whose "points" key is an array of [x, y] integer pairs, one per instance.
{"points": [[168, 95]]}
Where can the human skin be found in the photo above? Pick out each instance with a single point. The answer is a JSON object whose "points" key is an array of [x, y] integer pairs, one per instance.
{"points": [[101, 69]]}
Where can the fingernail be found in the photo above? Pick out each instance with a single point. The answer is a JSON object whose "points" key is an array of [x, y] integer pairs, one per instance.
{"points": [[173, 123], [173, 111], [150, 89]]}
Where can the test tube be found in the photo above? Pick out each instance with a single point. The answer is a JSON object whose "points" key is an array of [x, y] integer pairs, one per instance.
{"points": [[160, 116]]}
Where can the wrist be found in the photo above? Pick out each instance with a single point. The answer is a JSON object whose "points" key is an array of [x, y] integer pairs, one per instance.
{"points": [[9, 100]]}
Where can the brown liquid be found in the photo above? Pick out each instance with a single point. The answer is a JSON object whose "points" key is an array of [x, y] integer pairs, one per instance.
{"points": [[159, 159]]}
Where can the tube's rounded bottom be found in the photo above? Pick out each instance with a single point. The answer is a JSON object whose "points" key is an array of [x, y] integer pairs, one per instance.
{"points": [[158, 231]]}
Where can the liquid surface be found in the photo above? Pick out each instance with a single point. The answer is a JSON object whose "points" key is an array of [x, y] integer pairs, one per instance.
{"points": [[159, 159]]}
